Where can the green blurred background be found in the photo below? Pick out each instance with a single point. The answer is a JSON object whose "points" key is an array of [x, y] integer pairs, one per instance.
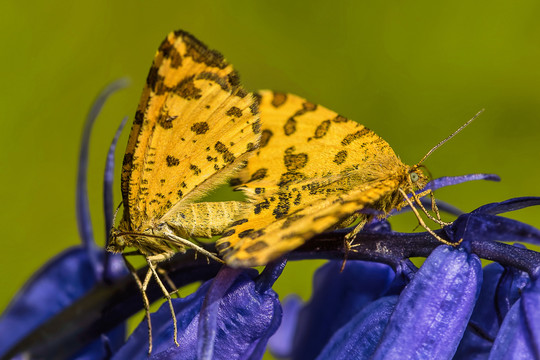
{"points": [[413, 71]]}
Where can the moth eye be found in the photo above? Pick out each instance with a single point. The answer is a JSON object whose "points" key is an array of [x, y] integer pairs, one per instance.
{"points": [[414, 177]]}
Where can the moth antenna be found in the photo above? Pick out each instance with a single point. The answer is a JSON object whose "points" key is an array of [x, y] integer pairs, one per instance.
{"points": [[449, 137]]}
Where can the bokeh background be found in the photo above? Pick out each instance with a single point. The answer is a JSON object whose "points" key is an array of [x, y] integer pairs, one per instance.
{"points": [[413, 71]]}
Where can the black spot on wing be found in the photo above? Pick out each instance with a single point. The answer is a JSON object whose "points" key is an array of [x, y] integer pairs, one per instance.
{"points": [[221, 148], [322, 129], [284, 205], [186, 89], [279, 99], [196, 170], [256, 127], [309, 106], [200, 128], [340, 157], [259, 245], [259, 174], [251, 233], [294, 161], [265, 137], [257, 208], [290, 126], [340, 119], [199, 52], [170, 52], [165, 120], [172, 161], [234, 112], [354, 136], [239, 222]]}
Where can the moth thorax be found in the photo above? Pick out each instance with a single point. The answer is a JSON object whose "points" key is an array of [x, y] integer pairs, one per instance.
{"points": [[150, 242]]}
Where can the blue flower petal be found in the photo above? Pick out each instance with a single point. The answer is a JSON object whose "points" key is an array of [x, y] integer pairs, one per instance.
{"points": [[448, 181], [434, 309], [485, 320], [508, 205], [281, 343], [209, 313], [187, 310], [377, 225], [485, 227], [84, 220], [249, 318], [511, 285], [337, 297], [55, 286], [519, 336], [359, 338], [245, 319], [454, 180]]}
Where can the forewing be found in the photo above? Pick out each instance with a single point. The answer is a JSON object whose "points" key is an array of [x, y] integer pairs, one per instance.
{"points": [[301, 140], [313, 170], [264, 236], [194, 123]]}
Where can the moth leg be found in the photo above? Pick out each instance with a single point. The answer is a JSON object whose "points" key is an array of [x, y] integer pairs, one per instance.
{"points": [[352, 235], [169, 235], [423, 224], [150, 260], [169, 281], [434, 206], [146, 302], [417, 201], [348, 241]]}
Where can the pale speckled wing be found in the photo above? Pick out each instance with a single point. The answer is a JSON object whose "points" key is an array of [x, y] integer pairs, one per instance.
{"points": [[260, 237], [206, 219], [195, 125]]}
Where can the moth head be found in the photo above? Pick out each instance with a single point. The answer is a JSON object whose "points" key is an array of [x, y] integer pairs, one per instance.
{"points": [[417, 178], [117, 242]]}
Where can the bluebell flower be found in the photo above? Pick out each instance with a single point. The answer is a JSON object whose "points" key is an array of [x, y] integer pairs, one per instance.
{"points": [[449, 308], [229, 317], [58, 284], [380, 306]]}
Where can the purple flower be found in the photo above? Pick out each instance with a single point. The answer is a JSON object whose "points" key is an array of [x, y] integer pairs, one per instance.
{"points": [[229, 317]]}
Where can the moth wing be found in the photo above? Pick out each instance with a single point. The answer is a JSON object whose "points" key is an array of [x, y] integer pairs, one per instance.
{"points": [[313, 170], [262, 236], [301, 140], [194, 126]]}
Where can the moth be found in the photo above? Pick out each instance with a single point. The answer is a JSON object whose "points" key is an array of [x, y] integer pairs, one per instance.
{"points": [[315, 171], [194, 127]]}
